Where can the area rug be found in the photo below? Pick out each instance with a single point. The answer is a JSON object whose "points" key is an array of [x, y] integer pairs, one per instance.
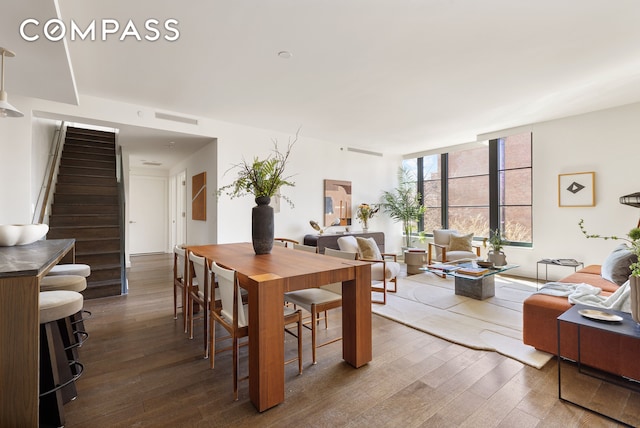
{"points": [[427, 302]]}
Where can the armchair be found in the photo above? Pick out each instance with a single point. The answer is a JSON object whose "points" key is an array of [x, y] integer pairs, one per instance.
{"points": [[448, 246], [384, 267]]}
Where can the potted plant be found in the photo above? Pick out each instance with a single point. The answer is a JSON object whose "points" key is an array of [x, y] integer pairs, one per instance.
{"points": [[364, 212], [403, 204], [262, 178], [633, 238], [495, 254]]}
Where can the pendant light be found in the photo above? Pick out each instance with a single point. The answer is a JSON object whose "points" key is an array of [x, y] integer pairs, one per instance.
{"points": [[6, 109]]}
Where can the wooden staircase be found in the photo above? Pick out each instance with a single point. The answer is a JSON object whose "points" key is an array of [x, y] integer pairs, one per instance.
{"points": [[86, 207]]}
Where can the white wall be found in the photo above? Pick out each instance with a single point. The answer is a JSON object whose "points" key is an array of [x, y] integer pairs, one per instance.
{"points": [[604, 142], [311, 162], [15, 167], [204, 160]]}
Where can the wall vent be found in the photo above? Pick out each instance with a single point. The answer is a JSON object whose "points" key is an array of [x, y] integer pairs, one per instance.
{"points": [[366, 152], [175, 118]]}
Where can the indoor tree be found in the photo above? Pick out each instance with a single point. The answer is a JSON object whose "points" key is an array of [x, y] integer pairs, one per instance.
{"points": [[404, 203]]}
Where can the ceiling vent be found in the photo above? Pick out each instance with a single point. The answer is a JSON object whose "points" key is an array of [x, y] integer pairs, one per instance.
{"points": [[151, 163], [366, 152], [175, 118]]}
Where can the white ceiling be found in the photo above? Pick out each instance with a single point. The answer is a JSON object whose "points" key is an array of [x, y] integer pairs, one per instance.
{"points": [[397, 76]]}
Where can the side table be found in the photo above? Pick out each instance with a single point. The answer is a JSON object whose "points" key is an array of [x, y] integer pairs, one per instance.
{"points": [[626, 327], [415, 259], [555, 262]]}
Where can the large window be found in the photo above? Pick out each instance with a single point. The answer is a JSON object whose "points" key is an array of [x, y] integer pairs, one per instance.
{"points": [[432, 192], [480, 189], [468, 191], [515, 178]]}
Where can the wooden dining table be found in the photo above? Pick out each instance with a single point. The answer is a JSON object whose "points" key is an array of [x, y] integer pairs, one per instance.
{"points": [[267, 277]]}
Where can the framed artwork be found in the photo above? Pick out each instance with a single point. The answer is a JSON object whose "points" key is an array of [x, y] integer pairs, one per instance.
{"points": [[337, 202], [577, 189], [199, 196]]}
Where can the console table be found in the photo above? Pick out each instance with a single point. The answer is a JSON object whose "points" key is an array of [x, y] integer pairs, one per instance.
{"points": [[331, 240], [555, 262], [21, 268], [625, 327]]}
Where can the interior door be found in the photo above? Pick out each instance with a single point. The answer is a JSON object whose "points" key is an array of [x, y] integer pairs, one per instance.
{"points": [[148, 224], [181, 208]]}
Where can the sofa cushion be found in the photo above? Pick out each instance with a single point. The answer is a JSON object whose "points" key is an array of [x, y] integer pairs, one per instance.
{"points": [[592, 279], [616, 266], [368, 249], [388, 270], [593, 269], [460, 242]]}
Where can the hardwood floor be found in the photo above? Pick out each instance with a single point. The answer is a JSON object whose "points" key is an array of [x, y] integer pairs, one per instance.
{"points": [[142, 370]]}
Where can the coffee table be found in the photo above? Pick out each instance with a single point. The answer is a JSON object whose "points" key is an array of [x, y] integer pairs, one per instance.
{"points": [[477, 287]]}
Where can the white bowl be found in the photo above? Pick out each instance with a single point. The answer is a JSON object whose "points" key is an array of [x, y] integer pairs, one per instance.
{"points": [[21, 234]]}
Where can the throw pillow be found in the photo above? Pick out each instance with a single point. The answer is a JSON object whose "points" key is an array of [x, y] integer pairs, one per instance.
{"points": [[615, 268], [348, 243], [460, 242], [368, 249]]}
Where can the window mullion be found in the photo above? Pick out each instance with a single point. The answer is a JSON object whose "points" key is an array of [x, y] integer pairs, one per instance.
{"points": [[420, 183], [444, 190], [494, 186]]}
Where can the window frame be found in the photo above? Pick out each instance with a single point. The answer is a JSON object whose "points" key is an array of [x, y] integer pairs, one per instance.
{"points": [[495, 189]]}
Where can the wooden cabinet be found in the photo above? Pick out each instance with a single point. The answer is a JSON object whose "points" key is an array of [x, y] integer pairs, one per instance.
{"points": [[331, 240]]}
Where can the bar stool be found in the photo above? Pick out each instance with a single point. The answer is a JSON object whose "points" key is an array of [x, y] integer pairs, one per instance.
{"points": [[70, 269], [57, 378], [67, 270], [72, 328], [70, 283], [76, 283]]}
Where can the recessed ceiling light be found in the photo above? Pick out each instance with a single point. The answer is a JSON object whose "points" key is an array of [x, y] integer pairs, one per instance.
{"points": [[285, 54]]}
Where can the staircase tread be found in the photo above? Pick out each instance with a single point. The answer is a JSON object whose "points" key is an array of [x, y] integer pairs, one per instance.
{"points": [[98, 226], [95, 239], [88, 157], [83, 142], [85, 167], [81, 215], [97, 267], [96, 252], [111, 177], [94, 284]]}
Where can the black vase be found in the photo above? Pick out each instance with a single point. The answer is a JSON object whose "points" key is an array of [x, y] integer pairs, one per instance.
{"points": [[262, 226]]}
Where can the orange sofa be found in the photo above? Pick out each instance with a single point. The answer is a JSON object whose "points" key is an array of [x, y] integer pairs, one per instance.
{"points": [[611, 353]]}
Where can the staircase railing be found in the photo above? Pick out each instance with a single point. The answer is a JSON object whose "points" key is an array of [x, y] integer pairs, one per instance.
{"points": [[43, 204], [122, 204]]}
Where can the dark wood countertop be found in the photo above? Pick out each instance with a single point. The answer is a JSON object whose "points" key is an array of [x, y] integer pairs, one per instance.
{"points": [[32, 259]]}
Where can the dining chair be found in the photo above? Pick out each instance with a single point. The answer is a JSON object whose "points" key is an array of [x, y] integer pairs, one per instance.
{"points": [[317, 301], [180, 282], [307, 248], [285, 242], [198, 292], [234, 318]]}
